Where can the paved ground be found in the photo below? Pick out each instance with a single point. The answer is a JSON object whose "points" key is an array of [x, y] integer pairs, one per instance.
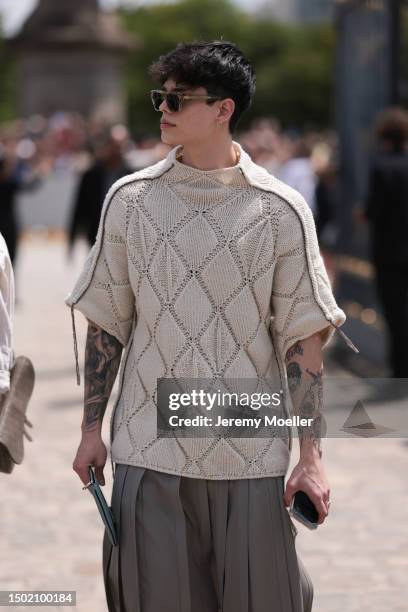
{"points": [[51, 535]]}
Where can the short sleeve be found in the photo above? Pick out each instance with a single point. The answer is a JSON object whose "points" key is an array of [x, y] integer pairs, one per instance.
{"points": [[302, 302], [103, 292]]}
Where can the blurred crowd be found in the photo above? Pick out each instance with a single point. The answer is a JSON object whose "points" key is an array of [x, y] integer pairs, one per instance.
{"points": [[32, 149], [308, 163]]}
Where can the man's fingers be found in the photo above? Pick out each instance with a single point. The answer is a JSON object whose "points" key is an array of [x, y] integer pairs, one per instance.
{"points": [[315, 497], [82, 472], [99, 474], [318, 501], [289, 493], [326, 501], [91, 452], [321, 509]]}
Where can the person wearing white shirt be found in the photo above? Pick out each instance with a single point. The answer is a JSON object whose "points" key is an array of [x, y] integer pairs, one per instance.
{"points": [[7, 305], [298, 172]]}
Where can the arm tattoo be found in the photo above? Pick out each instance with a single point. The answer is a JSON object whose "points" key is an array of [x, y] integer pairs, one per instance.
{"points": [[295, 349], [294, 373], [102, 359], [306, 389]]}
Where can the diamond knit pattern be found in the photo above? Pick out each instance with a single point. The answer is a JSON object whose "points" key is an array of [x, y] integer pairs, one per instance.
{"points": [[201, 275]]}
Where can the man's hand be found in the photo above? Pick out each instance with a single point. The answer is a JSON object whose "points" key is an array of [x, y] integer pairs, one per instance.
{"points": [[309, 476], [91, 451]]}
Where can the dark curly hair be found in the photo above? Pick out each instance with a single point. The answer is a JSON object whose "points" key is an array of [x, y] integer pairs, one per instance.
{"points": [[218, 65]]}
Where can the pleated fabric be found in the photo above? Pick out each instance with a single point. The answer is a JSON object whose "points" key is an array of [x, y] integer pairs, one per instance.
{"points": [[195, 545]]}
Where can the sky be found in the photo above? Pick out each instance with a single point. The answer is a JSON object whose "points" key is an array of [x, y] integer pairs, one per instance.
{"points": [[13, 12]]}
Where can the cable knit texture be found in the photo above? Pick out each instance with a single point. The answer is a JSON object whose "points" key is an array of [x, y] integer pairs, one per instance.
{"points": [[210, 274]]}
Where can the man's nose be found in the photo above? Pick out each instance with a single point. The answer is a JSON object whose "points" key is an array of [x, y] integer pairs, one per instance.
{"points": [[165, 107]]}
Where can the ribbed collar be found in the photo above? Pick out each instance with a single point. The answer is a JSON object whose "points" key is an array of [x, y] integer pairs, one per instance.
{"points": [[232, 176]]}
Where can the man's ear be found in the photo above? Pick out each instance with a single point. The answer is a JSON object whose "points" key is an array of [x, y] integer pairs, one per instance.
{"points": [[225, 110]]}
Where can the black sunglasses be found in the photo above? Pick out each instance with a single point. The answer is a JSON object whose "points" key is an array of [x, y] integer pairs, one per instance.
{"points": [[174, 100]]}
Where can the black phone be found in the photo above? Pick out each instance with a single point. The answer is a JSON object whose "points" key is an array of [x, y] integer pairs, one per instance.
{"points": [[303, 509]]}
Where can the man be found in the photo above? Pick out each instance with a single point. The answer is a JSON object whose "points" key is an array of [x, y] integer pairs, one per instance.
{"points": [[15, 176], [94, 184], [205, 266], [387, 212]]}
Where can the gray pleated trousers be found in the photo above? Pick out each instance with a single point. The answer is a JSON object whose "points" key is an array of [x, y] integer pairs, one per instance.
{"points": [[195, 545]]}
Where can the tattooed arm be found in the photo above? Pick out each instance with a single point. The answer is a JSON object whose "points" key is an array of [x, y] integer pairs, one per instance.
{"points": [[304, 366], [102, 359], [304, 373]]}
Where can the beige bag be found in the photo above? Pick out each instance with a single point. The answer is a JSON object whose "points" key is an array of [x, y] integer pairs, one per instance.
{"points": [[13, 406]]}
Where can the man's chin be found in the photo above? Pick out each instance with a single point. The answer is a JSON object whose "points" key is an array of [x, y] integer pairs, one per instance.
{"points": [[170, 139]]}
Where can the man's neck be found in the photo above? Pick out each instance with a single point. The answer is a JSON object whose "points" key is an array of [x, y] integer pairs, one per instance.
{"points": [[210, 155]]}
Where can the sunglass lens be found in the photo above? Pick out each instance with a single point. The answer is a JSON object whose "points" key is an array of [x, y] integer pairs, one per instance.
{"points": [[173, 102], [157, 99]]}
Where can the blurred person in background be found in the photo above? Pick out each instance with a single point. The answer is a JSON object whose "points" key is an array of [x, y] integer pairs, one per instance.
{"points": [[298, 172], [16, 374], [327, 198], [386, 210], [20, 169], [7, 298], [145, 152], [8, 191], [109, 165], [325, 203], [263, 143]]}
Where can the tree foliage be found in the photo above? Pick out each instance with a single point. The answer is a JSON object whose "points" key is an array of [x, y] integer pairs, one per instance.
{"points": [[294, 64], [7, 82]]}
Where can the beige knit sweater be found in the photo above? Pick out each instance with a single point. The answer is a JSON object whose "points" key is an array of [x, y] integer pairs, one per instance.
{"points": [[203, 274]]}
